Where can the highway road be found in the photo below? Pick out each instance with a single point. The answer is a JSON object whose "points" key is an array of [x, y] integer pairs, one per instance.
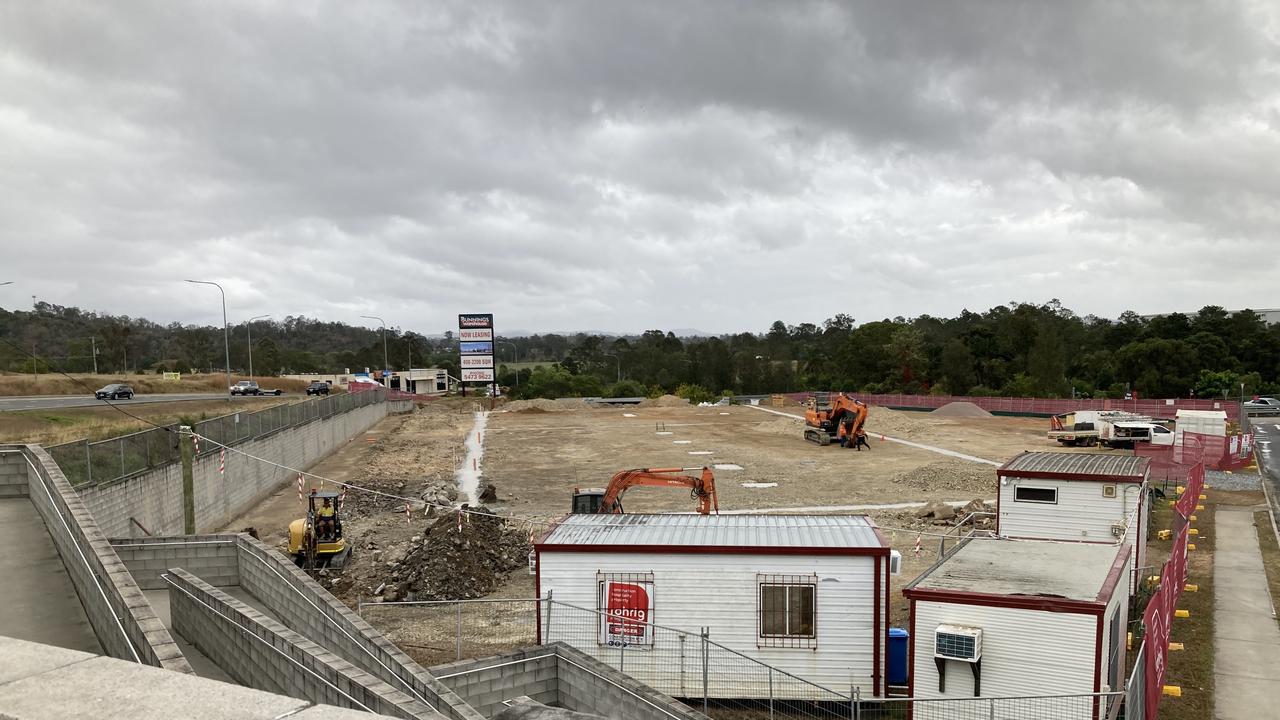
{"points": [[1267, 436], [47, 402]]}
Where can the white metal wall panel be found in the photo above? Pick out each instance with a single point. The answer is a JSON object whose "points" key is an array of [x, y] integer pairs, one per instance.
{"points": [[719, 591], [1119, 603], [1081, 513], [1024, 652]]}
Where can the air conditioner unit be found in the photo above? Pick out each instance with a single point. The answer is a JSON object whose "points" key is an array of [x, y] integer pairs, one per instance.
{"points": [[533, 562], [1117, 531], [957, 642], [895, 562]]}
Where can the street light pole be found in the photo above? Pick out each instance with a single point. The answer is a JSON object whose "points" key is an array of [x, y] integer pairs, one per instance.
{"points": [[385, 364], [249, 329], [226, 332], [515, 357]]}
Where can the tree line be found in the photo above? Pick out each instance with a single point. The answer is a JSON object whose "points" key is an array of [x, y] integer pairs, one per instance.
{"points": [[1019, 349]]}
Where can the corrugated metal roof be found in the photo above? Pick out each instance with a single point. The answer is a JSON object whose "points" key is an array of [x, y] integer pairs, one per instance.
{"points": [[1076, 571], [762, 531], [1067, 464]]}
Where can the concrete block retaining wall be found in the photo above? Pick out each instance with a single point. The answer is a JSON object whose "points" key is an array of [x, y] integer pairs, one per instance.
{"points": [[291, 595], [154, 497], [13, 476], [263, 654], [487, 683], [117, 610], [214, 559], [558, 674]]}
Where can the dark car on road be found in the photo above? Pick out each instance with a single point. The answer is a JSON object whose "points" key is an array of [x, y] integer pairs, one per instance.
{"points": [[114, 391], [318, 388]]}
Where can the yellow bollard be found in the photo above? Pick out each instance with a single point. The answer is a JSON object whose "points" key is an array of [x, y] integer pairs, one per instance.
{"points": [[1191, 546], [1199, 507], [1128, 643], [1176, 646], [1192, 518], [1164, 534], [1153, 578], [1182, 613], [1172, 503], [1190, 588], [1203, 497], [1181, 489], [1193, 531], [1173, 691]]}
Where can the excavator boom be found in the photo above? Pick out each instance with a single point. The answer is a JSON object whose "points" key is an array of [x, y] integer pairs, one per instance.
{"points": [[702, 488]]}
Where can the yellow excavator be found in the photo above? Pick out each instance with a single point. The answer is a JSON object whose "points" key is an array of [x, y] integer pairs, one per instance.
{"points": [[317, 540]]}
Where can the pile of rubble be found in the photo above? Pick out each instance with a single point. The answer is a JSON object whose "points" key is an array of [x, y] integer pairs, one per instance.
{"points": [[459, 556], [940, 513]]}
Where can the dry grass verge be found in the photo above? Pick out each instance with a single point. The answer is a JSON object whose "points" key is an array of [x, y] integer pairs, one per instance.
{"points": [[1270, 555], [85, 384], [59, 425]]}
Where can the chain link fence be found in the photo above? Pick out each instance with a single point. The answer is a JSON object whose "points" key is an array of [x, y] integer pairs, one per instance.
{"points": [[106, 461], [688, 665]]}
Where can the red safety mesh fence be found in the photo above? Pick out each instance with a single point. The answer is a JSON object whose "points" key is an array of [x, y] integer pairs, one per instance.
{"points": [[1171, 462], [1159, 408]]}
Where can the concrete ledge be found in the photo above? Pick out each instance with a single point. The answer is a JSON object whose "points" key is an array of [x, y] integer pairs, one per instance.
{"points": [[40, 681], [261, 653], [111, 598], [306, 608], [212, 558]]}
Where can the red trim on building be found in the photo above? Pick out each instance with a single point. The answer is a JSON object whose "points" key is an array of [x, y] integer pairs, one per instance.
{"points": [[1046, 475], [1118, 568], [537, 589], [715, 549], [1097, 663], [1020, 602], [875, 633], [911, 658]]}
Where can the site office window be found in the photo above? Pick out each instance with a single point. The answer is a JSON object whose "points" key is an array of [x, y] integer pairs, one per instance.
{"points": [[1032, 494], [787, 611], [625, 605]]}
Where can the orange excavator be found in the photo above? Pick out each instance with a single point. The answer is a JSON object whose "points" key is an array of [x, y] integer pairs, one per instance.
{"points": [[840, 418], [609, 500]]}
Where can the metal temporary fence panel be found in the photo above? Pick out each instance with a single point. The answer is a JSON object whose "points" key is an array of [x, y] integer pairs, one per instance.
{"points": [[1159, 407]]}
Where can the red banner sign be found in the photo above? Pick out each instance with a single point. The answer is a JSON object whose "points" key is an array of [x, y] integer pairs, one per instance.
{"points": [[1158, 618], [628, 613], [1186, 504]]}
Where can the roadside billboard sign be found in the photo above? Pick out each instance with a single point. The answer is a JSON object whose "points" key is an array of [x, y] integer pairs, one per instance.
{"points": [[475, 348], [473, 362], [484, 375]]}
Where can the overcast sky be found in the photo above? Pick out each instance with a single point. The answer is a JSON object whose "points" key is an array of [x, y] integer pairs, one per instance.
{"points": [[632, 165]]}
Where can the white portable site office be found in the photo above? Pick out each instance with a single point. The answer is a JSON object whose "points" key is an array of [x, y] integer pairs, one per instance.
{"points": [[805, 594], [1083, 497], [1204, 422], [1009, 618]]}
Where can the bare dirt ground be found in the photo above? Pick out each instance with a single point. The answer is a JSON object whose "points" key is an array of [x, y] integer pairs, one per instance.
{"points": [[536, 458]]}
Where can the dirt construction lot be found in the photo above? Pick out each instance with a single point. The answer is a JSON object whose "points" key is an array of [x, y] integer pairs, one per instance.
{"points": [[535, 457]]}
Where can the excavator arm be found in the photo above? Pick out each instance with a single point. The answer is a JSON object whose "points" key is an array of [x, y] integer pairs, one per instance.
{"points": [[702, 489]]}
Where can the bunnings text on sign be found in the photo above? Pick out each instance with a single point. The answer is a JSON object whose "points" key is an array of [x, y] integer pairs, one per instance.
{"points": [[475, 320]]}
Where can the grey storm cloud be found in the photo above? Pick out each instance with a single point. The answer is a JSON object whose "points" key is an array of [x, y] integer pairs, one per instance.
{"points": [[624, 166]]}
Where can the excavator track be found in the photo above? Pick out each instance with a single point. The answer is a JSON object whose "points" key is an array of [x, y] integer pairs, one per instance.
{"points": [[817, 436]]}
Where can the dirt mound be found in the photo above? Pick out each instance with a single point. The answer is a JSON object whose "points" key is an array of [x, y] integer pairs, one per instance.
{"points": [[950, 475], [894, 423], [538, 405], [664, 401], [961, 409], [781, 426], [448, 563]]}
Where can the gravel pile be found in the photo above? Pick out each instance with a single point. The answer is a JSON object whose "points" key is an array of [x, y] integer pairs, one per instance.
{"points": [[950, 475], [448, 563], [665, 401], [545, 405], [961, 409], [1232, 481], [894, 423], [781, 426]]}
